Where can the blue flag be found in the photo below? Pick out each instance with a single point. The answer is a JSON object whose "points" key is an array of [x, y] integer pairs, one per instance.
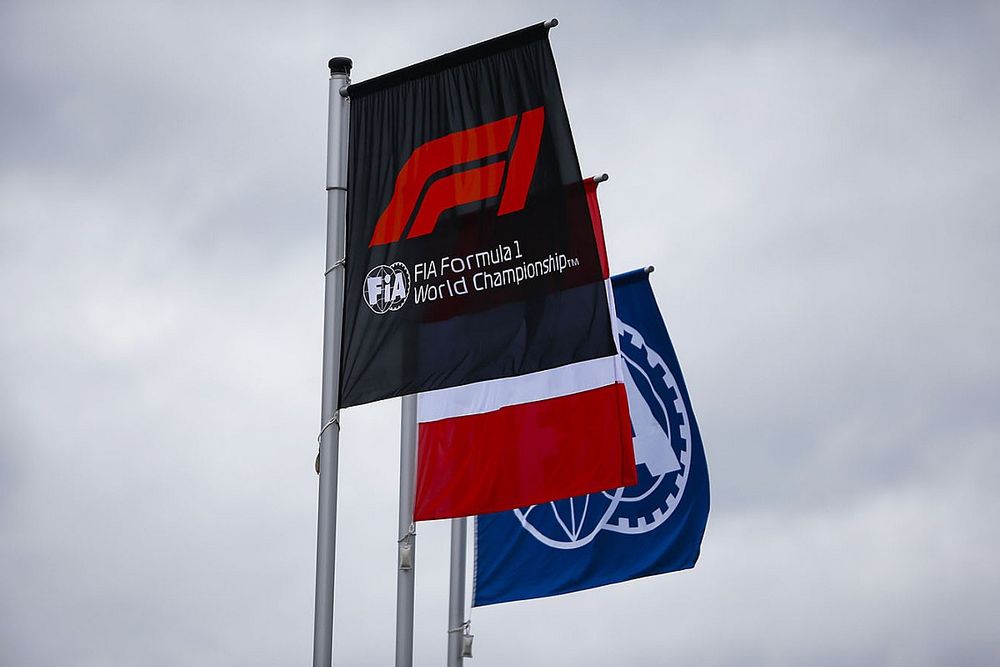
{"points": [[653, 527]]}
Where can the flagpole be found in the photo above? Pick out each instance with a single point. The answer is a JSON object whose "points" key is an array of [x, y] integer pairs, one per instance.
{"points": [[333, 315], [407, 533], [456, 596]]}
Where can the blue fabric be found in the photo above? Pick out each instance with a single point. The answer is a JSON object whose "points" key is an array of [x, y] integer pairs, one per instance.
{"points": [[653, 527]]}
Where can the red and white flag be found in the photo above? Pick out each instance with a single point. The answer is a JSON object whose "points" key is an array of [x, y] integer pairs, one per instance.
{"points": [[506, 443]]}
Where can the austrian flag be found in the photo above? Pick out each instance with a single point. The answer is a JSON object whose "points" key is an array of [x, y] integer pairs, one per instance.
{"points": [[511, 442]]}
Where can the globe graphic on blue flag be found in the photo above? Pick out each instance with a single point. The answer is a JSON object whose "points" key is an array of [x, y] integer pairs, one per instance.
{"points": [[662, 438]]}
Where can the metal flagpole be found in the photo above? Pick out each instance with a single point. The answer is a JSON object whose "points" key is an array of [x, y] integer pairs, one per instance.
{"points": [[333, 315], [456, 596], [407, 533]]}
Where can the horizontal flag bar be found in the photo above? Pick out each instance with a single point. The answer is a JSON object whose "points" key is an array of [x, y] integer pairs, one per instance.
{"points": [[452, 59], [630, 276], [495, 394]]}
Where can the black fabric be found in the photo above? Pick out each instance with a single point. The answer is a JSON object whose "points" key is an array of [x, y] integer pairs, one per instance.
{"points": [[453, 59], [394, 344]]}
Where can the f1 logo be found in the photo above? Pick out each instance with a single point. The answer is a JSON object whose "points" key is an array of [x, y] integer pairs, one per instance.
{"points": [[463, 187]]}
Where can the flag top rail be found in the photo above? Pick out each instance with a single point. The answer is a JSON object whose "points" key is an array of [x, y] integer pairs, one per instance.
{"points": [[454, 58], [630, 276]]}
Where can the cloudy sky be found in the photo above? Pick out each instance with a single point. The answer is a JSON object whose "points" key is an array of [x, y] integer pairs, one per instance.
{"points": [[818, 187]]}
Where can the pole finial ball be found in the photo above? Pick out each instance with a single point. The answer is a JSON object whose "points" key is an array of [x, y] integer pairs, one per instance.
{"points": [[340, 65]]}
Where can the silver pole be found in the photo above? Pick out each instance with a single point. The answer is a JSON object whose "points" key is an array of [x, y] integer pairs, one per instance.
{"points": [[456, 596], [407, 534], [333, 315]]}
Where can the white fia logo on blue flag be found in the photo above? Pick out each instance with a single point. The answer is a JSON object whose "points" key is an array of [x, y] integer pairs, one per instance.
{"points": [[652, 527]]}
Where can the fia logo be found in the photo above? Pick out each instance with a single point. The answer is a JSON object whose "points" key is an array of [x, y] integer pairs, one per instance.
{"points": [[386, 287], [662, 440]]}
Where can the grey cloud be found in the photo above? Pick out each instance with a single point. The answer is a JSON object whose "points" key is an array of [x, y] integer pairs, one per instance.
{"points": [[815, 185]]}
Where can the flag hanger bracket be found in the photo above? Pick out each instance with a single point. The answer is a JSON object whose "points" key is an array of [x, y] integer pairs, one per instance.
{"points": [[340, 262], [335, 419], [462, 628], [406, 548], [467, 638]]}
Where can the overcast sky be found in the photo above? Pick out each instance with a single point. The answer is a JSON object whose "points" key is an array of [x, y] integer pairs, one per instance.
{"points": [[818, 188]]}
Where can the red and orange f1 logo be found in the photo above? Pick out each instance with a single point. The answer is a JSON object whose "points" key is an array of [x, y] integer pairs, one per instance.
{"points": [[467, 186]]}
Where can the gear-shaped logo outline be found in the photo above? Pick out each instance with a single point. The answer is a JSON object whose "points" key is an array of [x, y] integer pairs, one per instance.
{"points": [[636, 354]]}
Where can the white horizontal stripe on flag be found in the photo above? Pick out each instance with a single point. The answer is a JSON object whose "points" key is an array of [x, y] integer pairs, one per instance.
{"points": [[480, 397]]}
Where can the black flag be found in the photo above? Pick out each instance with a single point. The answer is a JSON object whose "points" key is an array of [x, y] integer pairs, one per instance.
{"points": [[471, 254]]}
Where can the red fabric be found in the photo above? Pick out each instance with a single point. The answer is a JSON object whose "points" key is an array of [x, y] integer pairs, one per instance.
{"points": [[524, 454], [430, 158], [454, 190], [590, 187], [522, 161]]}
